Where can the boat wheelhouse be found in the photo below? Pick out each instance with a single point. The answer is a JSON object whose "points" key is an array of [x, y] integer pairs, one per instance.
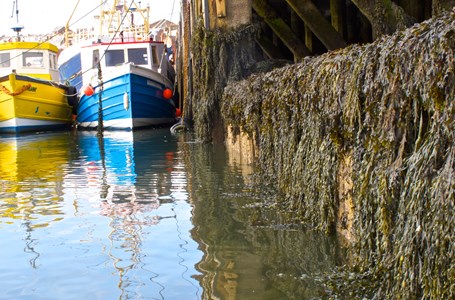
{"points": [[34, 59]]}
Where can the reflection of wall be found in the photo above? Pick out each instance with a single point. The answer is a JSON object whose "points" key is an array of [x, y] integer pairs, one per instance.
{"points": [[244, 253], [241, 151]]}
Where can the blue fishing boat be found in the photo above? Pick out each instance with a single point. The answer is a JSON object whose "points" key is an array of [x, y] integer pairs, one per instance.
{"points": [[124, 78]]}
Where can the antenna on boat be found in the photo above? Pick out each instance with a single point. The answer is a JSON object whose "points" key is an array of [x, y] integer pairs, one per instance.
{"points": [[12, 13], [17, 28]]}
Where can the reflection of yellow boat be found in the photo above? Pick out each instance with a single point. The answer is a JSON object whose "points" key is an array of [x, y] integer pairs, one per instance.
{"points": [[30, 97], [31, 174]]}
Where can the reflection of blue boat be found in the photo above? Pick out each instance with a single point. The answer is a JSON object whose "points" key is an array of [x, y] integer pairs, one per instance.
{"points": [[114, 153], [125, 164], [125, 81]]}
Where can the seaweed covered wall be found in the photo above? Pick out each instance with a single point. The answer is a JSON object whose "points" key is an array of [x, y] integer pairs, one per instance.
{"points": [[372, 128], [219, 56]]}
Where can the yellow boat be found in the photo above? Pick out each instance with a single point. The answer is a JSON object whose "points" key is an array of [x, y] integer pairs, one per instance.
{"points": [[31, 99]]}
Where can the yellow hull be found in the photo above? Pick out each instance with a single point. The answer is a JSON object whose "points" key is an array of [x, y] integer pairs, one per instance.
{"points": [[30, 104]]}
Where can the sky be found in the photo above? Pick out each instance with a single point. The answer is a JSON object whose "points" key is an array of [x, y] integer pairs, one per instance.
{"points": [[42, 16]]}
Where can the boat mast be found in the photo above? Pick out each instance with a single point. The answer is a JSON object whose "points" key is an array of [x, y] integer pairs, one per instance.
{"points": [[101, 18], [113, 19], [109, 13], [17, 28], [67, 24]]}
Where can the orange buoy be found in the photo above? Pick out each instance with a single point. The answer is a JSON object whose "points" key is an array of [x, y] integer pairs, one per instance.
{"points": [[167, 94], [89, 90], [178, 112]]}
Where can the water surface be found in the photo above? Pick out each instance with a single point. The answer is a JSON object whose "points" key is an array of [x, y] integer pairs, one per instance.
{"points": [[145, 215]]}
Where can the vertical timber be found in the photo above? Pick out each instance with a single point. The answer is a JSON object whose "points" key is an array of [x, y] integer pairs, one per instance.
{"points": [[338, 16]]}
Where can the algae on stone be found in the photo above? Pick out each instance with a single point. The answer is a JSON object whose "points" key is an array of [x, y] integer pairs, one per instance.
{"points": [[389, 105]]}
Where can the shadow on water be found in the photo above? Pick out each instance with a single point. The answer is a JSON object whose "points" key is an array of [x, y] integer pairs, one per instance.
{"points": [[147, 215]]}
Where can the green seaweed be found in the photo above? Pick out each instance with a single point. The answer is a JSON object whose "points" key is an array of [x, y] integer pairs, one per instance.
{"points": [[213, 67], [390, 104]]}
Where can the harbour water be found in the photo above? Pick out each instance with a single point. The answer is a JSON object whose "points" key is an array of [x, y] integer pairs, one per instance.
{"points": [[147, 215]]}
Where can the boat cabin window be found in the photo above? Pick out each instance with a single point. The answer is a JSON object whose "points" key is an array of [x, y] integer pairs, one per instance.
{"points": [[114, 58], [155, 55], [95, 58], [5, 60], [138, 56], [53, 61], [32, 59]]}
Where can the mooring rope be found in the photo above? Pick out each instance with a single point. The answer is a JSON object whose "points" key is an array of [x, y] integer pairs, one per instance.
{"points": [[5, 90]]}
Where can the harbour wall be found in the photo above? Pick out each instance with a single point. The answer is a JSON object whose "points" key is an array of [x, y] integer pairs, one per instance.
{"points": [[359, 141]]}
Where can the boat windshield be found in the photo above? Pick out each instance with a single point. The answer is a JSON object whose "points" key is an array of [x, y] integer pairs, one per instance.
{"points": [[155, 55], [138, 56], [53, 62], [32, 59], [114, 58]]}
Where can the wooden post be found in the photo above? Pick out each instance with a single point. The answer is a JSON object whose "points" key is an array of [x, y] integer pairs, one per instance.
{"points": [[321, 28], [220, 8], [281, 29], [338, 16]]}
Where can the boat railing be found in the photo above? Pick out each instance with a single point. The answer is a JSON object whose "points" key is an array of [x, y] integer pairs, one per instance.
{"points": [[131, 34]]}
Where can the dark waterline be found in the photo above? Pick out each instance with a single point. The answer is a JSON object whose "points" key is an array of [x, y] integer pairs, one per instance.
{"points": [[146, 215]]}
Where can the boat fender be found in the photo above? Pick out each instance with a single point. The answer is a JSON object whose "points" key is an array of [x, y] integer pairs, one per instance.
{"points": [[72, 98], [167, 93], [89, 90], [126, 103]]}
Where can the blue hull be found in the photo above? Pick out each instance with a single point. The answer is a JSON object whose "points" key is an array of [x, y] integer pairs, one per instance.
{"points": [[129, 101]]}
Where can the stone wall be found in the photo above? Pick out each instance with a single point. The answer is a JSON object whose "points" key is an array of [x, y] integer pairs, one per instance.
{"points": [[360, 141]]}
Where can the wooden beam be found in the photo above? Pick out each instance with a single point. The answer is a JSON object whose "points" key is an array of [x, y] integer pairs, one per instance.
{"points": [[281, 29], [309, 38], [321, 28], [272, 51], [385, 16]]}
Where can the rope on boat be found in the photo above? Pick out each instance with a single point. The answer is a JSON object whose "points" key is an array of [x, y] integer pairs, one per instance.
{"points": [[100, 102], [5, 90], [179, 127]]}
